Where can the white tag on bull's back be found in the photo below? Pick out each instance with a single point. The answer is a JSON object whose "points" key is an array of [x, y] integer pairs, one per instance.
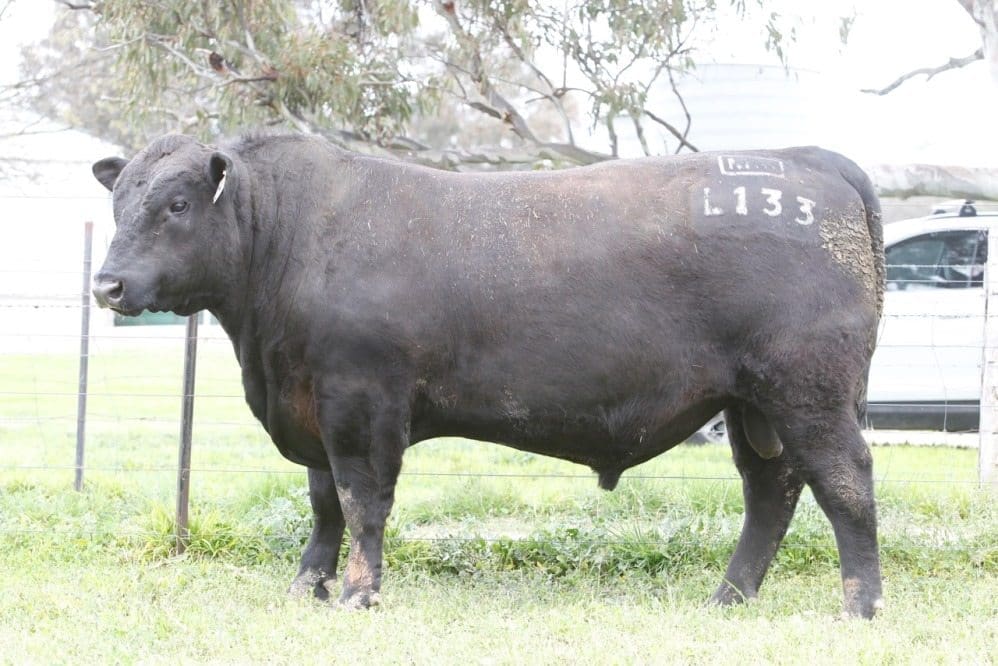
{"points": [[221, 186]]}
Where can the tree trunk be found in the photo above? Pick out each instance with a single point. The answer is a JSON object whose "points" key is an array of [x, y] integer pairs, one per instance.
{"points": [[985, 15], [953, 182]]}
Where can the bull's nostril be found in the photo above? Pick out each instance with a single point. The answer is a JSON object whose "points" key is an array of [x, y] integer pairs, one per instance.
{"points": [[109, 292]]}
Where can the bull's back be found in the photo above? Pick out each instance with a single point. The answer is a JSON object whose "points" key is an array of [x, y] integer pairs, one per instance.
{"points": [[634, 249]]}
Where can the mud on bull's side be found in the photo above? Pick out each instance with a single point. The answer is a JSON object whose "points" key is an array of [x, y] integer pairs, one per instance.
{"points": [[599, 314]]}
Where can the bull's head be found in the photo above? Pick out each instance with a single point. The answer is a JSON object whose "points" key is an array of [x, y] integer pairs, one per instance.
{"points": [[175, 227]]}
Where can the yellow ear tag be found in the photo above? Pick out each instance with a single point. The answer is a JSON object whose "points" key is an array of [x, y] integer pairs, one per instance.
{"points": [[221, 186]]}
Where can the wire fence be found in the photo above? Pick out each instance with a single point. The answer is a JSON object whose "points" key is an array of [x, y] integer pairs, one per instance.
{"points": [[112, 340], [133, 388]]}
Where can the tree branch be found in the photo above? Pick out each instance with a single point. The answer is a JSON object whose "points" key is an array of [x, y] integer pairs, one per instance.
{"points": [[639, 130], [686, 112], [672, 130], [163, 43], [499, 104], [552, 95], [929, 72], [614, 140], [968, 6], [30, 132], [913, 180], [496, 105]]}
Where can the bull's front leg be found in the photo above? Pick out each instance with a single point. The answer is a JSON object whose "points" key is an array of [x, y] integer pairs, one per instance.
{"points": [[322, 553], [365, 447]]}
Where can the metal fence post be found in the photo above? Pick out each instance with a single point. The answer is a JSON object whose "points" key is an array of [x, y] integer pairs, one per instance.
{"points": [[81, 391], [987, 452], [186, 427]]}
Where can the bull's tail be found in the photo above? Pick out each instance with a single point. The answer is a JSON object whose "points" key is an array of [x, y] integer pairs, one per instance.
{"points": [[858, 179], [871, 206]]}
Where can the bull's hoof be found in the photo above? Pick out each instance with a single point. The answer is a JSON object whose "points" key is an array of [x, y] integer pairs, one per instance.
{"points": [[359, 599], [861, 600], [728, 595], [865, 610], [311, 583]]}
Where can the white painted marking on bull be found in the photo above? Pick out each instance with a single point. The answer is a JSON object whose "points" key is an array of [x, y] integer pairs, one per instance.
{"points": [[806, 207], [741, 206], [708, 210], [773, 199], [747, 165], [221, 186]]}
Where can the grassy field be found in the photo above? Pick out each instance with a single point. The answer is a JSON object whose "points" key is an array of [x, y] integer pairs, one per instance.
{"points": [[528, 563]]}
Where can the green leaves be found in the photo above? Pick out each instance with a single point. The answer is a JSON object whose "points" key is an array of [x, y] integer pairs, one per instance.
{"points": [[512, 75]]}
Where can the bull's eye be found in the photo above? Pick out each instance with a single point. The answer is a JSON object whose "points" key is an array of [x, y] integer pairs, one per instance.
{"points": [[178, 207]]}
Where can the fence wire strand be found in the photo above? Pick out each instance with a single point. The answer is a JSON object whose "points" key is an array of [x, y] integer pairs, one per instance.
{"points": [[588, 478], [906, 541]]}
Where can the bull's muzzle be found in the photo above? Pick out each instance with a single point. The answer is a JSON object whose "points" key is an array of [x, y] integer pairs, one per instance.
{"points": [[108, 292]]}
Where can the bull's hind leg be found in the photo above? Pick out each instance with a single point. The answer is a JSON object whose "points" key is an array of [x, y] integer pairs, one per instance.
{"points": [[771, 489], [322, 553], [837, 465]]}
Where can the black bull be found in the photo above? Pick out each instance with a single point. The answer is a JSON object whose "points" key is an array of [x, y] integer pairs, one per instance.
{"points": [[599, 315]]}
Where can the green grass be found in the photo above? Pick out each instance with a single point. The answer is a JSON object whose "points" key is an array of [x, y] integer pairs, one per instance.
{"points": [[212, 611], [530, 563]]}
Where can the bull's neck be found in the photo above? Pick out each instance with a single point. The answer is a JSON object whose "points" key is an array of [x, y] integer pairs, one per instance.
{"points": [[232, 310], [267, 246]]}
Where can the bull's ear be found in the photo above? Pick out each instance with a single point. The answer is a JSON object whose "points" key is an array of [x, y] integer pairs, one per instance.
{"points": [[219, 168], [108, 169]]}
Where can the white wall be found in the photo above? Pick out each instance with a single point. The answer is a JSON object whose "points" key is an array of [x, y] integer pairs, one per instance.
{"points": [[47, 193]]}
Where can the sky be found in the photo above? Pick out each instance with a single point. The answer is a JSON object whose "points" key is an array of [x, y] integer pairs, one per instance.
{"points": [[949, 120], [888, 37], [23, 21]]}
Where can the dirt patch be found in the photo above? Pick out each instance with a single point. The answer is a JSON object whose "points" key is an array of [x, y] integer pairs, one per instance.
{"points": [[847, 239]]}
